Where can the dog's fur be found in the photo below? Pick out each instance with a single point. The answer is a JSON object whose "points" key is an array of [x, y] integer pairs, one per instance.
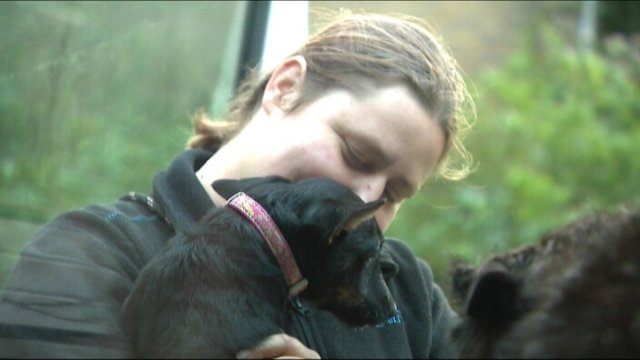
{"points": [[574, 294], [219, 289]]}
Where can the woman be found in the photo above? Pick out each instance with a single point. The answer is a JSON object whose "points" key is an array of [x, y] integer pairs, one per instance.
{"points": [[372, 101]]}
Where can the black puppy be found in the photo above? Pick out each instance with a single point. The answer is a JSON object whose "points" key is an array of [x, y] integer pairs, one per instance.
{"points": [[220, 289], [576, 294]]}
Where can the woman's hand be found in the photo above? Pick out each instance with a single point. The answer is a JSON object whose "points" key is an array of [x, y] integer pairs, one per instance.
{"points": [[279, 346]]}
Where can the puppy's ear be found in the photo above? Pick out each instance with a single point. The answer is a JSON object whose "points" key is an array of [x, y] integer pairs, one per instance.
{"points": [[356, 215], [462, 275], [493, 298], [229, 187]]}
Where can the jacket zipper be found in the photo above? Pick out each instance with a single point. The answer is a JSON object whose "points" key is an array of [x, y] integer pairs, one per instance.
{"points": [[302, 316]]}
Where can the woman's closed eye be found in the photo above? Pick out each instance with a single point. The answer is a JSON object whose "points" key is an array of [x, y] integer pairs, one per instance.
{"points": [[355, 158]]}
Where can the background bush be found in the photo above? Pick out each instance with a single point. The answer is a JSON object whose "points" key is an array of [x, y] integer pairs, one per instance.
{"points": [[99, 90], [558, 135]]}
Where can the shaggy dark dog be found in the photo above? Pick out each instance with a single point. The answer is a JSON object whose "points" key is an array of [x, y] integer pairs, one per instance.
{"points": [[576, 294], [220, 289]]}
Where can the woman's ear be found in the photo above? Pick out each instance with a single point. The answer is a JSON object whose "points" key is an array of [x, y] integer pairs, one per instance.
{"points": [[284, 85]]}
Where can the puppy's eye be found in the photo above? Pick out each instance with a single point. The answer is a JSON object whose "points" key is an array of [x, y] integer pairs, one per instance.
{"points": [[339, 236], [372, 260]]}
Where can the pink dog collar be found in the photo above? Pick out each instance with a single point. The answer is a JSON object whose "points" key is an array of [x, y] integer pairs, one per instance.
{"points": [[258, 216]]}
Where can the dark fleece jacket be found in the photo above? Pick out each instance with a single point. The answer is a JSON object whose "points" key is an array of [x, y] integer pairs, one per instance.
{"points": [[64, 296]]}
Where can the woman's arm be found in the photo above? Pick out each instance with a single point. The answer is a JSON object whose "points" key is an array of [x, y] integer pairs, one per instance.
{"points": [[64, 296]]}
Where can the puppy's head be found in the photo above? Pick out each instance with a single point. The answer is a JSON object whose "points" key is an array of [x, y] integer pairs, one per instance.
{"points": [[335, 241]]}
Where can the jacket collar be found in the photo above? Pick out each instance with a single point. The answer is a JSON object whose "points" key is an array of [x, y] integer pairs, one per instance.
{"points": [[178, 192]]}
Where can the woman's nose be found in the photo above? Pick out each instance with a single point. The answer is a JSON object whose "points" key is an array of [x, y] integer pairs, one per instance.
{"points": [[370, 188]]}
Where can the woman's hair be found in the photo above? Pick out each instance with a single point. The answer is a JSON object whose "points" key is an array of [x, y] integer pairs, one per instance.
{"points": [[361, 53]]}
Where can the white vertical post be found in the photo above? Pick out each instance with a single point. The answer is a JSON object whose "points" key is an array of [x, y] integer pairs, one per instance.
{"points": [[287, 30], [587, 26]]}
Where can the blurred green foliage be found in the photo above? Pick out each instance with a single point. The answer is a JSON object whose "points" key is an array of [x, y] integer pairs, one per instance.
{"points": [[558, 135], [96, 97]]}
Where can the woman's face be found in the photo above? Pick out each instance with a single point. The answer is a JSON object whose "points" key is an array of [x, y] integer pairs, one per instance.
{"points": [[381, 145]]}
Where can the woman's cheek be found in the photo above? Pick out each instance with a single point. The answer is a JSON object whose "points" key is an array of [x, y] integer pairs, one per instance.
{"points": [[326, 164]]}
